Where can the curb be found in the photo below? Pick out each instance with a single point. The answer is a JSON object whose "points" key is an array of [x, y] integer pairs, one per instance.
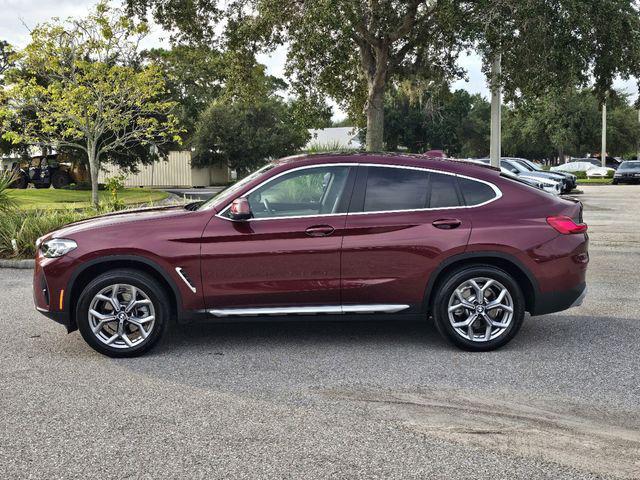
{"points": [[21, 264]]}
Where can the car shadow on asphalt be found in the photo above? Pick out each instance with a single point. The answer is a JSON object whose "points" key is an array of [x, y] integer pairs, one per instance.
{"points": [[549, 331], [300, 333]]}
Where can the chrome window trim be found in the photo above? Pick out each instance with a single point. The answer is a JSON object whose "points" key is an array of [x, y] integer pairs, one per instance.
{"points": [[496, 190]]}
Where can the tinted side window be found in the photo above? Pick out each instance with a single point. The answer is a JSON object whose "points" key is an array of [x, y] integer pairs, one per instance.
{"points": [[395, 189], [443, 191], [475, 193], [306, 192]]}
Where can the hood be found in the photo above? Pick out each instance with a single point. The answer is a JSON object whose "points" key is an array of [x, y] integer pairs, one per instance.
{"points": [[117, 218], [546, 175]]}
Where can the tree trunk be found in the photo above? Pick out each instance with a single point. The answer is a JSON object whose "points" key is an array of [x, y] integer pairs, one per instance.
{"points": [[375, 120], [375, 64], [94, 170]]}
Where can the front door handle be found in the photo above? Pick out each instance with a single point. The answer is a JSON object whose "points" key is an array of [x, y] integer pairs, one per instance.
{"points": [[447, 223], [320, 230]]}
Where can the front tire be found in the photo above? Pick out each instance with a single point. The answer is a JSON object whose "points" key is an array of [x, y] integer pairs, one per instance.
{"points": [[21, 182], [122, 313], [60, 179], [478, 308]]}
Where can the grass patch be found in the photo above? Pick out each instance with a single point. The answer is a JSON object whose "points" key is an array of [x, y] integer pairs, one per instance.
{"points": [[594, 181], [52, 199]]}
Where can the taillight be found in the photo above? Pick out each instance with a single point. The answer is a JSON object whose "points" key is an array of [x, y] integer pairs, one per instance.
{"points": [[565, 225]]}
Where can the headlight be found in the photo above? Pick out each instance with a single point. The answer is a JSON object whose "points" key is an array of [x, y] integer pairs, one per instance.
{"points": [[617, 174], [57, 247]]}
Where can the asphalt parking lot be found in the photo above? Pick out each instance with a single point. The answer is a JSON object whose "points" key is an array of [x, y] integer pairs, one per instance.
{"points": [[328, 400]]}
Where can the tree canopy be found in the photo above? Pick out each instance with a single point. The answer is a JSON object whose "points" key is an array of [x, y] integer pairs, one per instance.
{"points": [[242, 135], [352, 50]]}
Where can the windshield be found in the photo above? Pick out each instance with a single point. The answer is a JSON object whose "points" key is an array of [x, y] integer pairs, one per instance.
{"points": [[629, 165], [534, 166], [231, 189], [525, 165]]}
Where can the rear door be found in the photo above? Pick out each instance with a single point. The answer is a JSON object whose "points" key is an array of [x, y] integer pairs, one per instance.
{"points": [[402, 223]]}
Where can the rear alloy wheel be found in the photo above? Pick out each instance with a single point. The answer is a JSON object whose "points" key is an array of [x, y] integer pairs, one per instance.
{"points": [[479, 308], [122, 313]]}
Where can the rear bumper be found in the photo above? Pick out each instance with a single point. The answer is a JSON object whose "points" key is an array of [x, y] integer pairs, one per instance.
{"points": [[558, 301]]}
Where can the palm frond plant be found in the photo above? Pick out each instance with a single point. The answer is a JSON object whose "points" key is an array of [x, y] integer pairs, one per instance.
{"points": [[7, 203]]}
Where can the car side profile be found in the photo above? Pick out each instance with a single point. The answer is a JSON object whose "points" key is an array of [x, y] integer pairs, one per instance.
{"points": [[336, 236]]}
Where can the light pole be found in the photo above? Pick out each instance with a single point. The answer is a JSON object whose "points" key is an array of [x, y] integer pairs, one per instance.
{"points": [[603, 150], [495, 146]]}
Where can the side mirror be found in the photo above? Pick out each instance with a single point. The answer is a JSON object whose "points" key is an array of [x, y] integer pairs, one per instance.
{"points": [[240, 209]]}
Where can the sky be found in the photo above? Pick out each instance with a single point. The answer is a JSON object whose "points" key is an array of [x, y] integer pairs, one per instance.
{"points": [[19, 16]]}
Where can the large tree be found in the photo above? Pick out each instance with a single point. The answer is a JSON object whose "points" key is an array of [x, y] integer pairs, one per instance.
{"points": [[79, 84]]}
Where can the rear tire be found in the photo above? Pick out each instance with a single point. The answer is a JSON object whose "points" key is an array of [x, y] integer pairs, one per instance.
{"points": [[60, 179], [118, 328], [20, 182], [478, 308]]}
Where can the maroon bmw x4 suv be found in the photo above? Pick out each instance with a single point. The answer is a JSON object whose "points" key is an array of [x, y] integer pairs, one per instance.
{"points": [[337, 236]]}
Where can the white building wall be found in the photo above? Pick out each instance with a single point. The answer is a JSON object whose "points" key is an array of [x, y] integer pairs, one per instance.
{"points": [[174, 171]]}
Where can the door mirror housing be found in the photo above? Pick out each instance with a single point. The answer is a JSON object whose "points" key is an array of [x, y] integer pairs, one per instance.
{"points": [[240, 209]]}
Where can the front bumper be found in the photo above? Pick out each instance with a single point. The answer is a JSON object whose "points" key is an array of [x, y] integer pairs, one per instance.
{"points": [[49, 283]]}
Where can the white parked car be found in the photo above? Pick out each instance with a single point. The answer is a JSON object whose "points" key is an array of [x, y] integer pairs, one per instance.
{"points": [[592, 170], [546, 184]]}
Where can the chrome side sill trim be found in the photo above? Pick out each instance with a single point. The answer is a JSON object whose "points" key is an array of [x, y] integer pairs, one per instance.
{"points": [[184, 279], [327, 309], [375, 308]]}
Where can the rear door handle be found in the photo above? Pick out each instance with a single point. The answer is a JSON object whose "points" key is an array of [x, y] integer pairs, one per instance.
{"points": [[320, 230], [447, 223]]}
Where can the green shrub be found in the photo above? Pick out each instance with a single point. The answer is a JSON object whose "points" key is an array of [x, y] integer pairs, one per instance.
{"points": [[6, 202], [19, 229], [115, 185], [610, 173], [580, 175], [332, 147]]}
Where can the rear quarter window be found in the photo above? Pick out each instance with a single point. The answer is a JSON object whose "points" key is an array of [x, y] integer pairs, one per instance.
{"points": [[444, 193], [475, 193]]}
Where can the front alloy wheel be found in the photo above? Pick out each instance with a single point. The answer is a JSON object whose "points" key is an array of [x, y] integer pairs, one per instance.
{"points": [[122, 313]]}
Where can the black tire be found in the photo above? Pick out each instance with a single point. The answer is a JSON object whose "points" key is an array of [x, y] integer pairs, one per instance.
{"points": [[60, 179], [21, 182], [143, 282], [446, 289], [614, 182]]}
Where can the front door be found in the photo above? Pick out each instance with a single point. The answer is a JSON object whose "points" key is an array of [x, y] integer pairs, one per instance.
{"points": [[286, 259], [403, 221]]}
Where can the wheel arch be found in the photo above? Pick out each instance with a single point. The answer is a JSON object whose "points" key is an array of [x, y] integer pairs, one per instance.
{"points": [[508, 263], [91, 269]]}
